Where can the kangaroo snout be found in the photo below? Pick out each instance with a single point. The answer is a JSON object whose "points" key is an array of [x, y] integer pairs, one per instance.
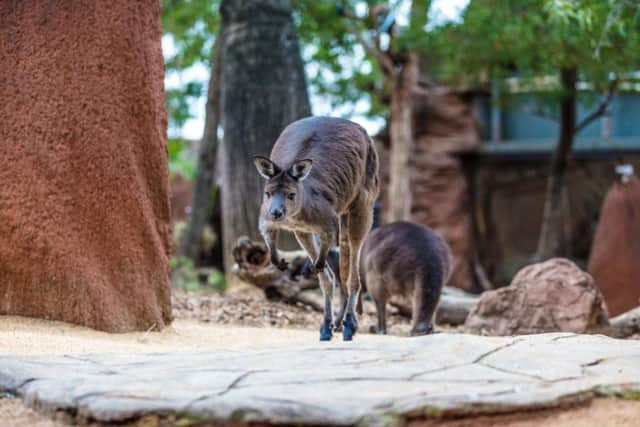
{"points": [[277, 213]]}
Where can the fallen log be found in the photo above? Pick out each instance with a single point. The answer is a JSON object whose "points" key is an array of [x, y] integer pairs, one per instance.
{"points": [[253, 266], [453, 309], [626, 324]]}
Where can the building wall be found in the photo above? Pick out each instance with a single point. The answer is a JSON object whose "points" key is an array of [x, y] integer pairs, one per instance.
{"points": [[509, 198]]}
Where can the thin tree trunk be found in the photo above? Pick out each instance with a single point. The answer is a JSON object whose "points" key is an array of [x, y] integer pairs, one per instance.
{"points": [[264, 90], [552, 239], [401, 133], [203, 199]]}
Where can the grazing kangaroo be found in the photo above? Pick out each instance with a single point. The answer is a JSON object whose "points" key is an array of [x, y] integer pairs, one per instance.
{"points": [[403, 258], [322, 181]]}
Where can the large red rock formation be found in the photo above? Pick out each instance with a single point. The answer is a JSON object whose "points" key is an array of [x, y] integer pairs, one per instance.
{"points": [[84, 210], [551, 296], [444, 125], [615, 255]]}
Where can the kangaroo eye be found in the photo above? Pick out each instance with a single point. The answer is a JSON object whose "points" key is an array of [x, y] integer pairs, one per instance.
{"points": [[291, 196], [266, 193]]}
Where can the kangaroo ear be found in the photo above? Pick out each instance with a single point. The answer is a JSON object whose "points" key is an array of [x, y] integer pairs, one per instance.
{"points": [[300, 169], [266, 168]]}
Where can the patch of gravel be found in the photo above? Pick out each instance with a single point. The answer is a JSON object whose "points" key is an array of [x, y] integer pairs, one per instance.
{"points": [[247, 306], [14, 413]]}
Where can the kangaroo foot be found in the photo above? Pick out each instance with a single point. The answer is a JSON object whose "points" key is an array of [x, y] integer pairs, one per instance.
{"points": [[309, 269], [422, 329], [349, 327], [337, 322], [337, 326], [281, 264], [325, 331], [376, 330]]}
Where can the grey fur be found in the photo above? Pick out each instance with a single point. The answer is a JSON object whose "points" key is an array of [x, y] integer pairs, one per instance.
{"points": [[333, 202], [404, 258]]}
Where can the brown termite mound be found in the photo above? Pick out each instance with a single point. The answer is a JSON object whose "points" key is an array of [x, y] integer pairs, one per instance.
{"points": [[615, 254], [322, 182], [405, 259], [84, 207]]}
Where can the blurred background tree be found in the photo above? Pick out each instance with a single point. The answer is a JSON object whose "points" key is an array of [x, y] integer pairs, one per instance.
{"points": [[264, 89], [193, 29], [389, 77], [551, 45], [366, 57]]}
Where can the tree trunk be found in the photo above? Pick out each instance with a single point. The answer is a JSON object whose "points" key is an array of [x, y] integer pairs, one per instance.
{"points": [[401, 134], [264, 90], [552, 240], [84, 205], [203, 200]]}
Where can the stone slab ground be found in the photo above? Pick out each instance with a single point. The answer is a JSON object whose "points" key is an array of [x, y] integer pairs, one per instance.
{"points": [[369, 381]]}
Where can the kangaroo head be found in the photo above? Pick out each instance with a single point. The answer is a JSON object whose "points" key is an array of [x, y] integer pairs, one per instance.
{"points": [[283, 192]]}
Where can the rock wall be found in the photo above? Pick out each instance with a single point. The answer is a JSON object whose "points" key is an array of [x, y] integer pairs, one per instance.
{"points": [[509, 203], [444, 125], [84, 208]]}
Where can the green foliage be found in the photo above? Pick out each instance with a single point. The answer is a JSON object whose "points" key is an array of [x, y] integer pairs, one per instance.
{"points": [[537, 38], [336, 67], [341, 69], [191, 26], [185, 276], [624, 393], [495, 38], [181, 160]]}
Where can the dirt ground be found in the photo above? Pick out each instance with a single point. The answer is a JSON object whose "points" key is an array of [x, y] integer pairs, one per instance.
{"points": [[232, 320], [601, 412], [242, 319], [246, 306]]}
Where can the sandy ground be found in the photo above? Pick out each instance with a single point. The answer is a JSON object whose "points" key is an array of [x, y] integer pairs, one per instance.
{"points": [[24, 336], [13, 413], [241, 319]]}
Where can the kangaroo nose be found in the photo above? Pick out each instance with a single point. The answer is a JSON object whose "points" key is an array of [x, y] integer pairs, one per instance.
{"points": [[277, 213]]}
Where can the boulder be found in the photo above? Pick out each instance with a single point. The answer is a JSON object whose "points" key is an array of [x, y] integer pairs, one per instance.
{"points": [[550, 296], [84, 194]]}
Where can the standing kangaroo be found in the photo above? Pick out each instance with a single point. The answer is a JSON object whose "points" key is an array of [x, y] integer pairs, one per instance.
{"points": [[404, 258], [322, 181]]}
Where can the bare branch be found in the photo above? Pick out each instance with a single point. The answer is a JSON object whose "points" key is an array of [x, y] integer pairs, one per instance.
{"points": [[602, 108], [383, 59], [370, 47]]}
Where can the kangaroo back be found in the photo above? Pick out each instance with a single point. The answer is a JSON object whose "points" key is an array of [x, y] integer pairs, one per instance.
{"points": [[341, 152], [409, 260]]}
